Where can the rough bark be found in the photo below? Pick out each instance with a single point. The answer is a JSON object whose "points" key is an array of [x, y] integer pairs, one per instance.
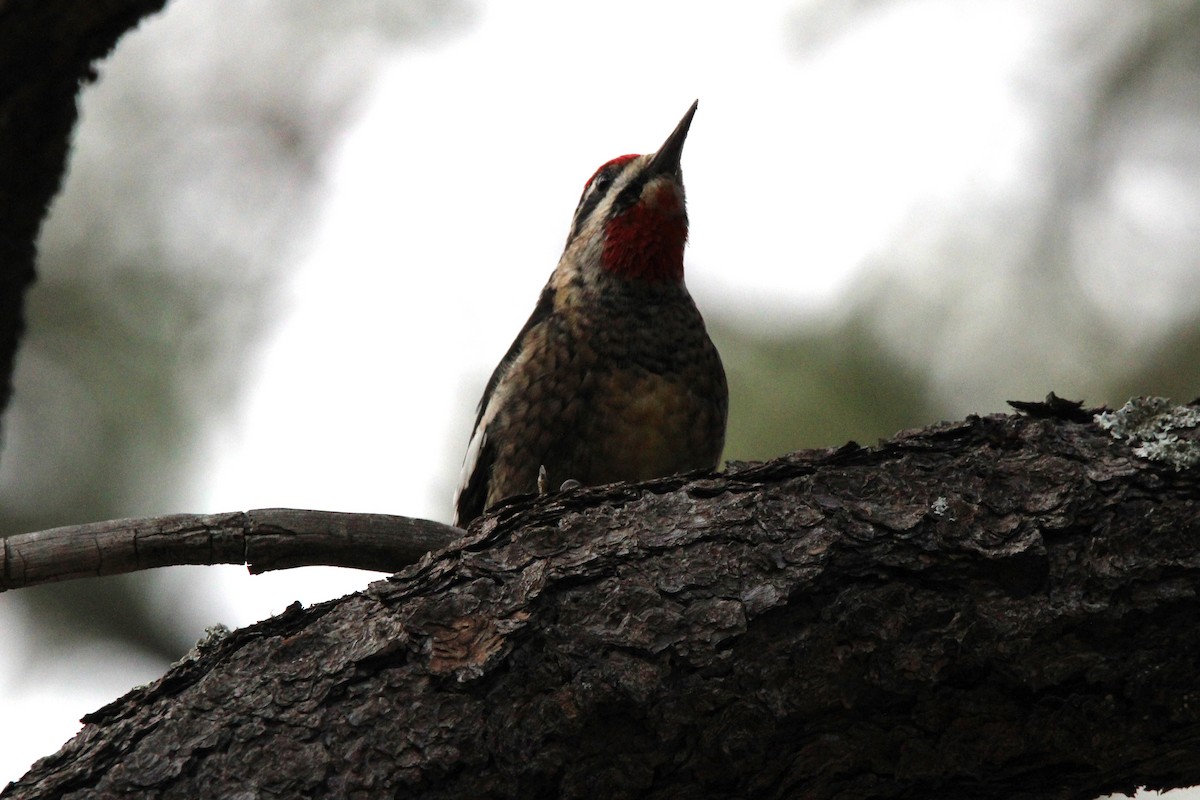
{"points": [[999, 607], [46, 51]]}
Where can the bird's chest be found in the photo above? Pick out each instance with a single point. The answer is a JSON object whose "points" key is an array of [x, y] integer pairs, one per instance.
{"points": [[633, 425], [632, 335], [638, 402]]}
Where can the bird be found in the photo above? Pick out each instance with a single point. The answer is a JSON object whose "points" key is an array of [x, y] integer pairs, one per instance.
{"points": [[614, 376]]}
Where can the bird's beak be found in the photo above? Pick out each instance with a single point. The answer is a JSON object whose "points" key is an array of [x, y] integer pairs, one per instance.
{"points": [[666, 160]]}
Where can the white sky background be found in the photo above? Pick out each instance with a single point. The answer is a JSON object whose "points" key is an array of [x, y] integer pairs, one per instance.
{"points": [[449, 200]]}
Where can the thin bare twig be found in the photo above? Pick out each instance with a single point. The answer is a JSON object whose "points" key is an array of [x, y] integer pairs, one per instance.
{"points": [[263, 540]]}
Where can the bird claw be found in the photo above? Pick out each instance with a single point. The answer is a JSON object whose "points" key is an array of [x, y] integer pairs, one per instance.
{"points": [[543, 482]]}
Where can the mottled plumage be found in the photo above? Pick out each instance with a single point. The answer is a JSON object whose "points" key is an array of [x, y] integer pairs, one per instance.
{"points": [[613, 377]]}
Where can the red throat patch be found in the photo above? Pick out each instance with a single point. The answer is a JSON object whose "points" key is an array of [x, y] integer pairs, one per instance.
{"points": [[646, 242]]}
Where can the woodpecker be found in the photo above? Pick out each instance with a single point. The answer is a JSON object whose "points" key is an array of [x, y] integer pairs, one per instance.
{"points": [[613, 377]]}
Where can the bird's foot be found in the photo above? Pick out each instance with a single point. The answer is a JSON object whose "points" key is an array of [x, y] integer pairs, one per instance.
{"points": [[543, 482]]}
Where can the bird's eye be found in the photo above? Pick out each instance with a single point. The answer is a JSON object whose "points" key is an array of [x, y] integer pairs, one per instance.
{"points": [[602, 182], [603, 178]]}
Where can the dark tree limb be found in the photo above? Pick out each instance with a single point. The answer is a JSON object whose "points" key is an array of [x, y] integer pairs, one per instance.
{"points": [[264, 539], [1000, 607], [46, 52]]}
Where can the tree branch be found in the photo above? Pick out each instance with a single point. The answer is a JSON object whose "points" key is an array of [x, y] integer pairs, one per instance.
{"points": [[264, 539], [997, 607], [46, 52]]}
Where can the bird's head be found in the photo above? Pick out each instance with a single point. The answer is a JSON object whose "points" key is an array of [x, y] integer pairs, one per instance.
{"points": [[631, 221]]}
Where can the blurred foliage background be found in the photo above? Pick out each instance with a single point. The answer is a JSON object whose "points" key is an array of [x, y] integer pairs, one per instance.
{"points": [[153, 297]]}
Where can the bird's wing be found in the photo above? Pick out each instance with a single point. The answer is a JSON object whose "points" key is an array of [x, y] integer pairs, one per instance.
{"points": [[472, 491]]}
